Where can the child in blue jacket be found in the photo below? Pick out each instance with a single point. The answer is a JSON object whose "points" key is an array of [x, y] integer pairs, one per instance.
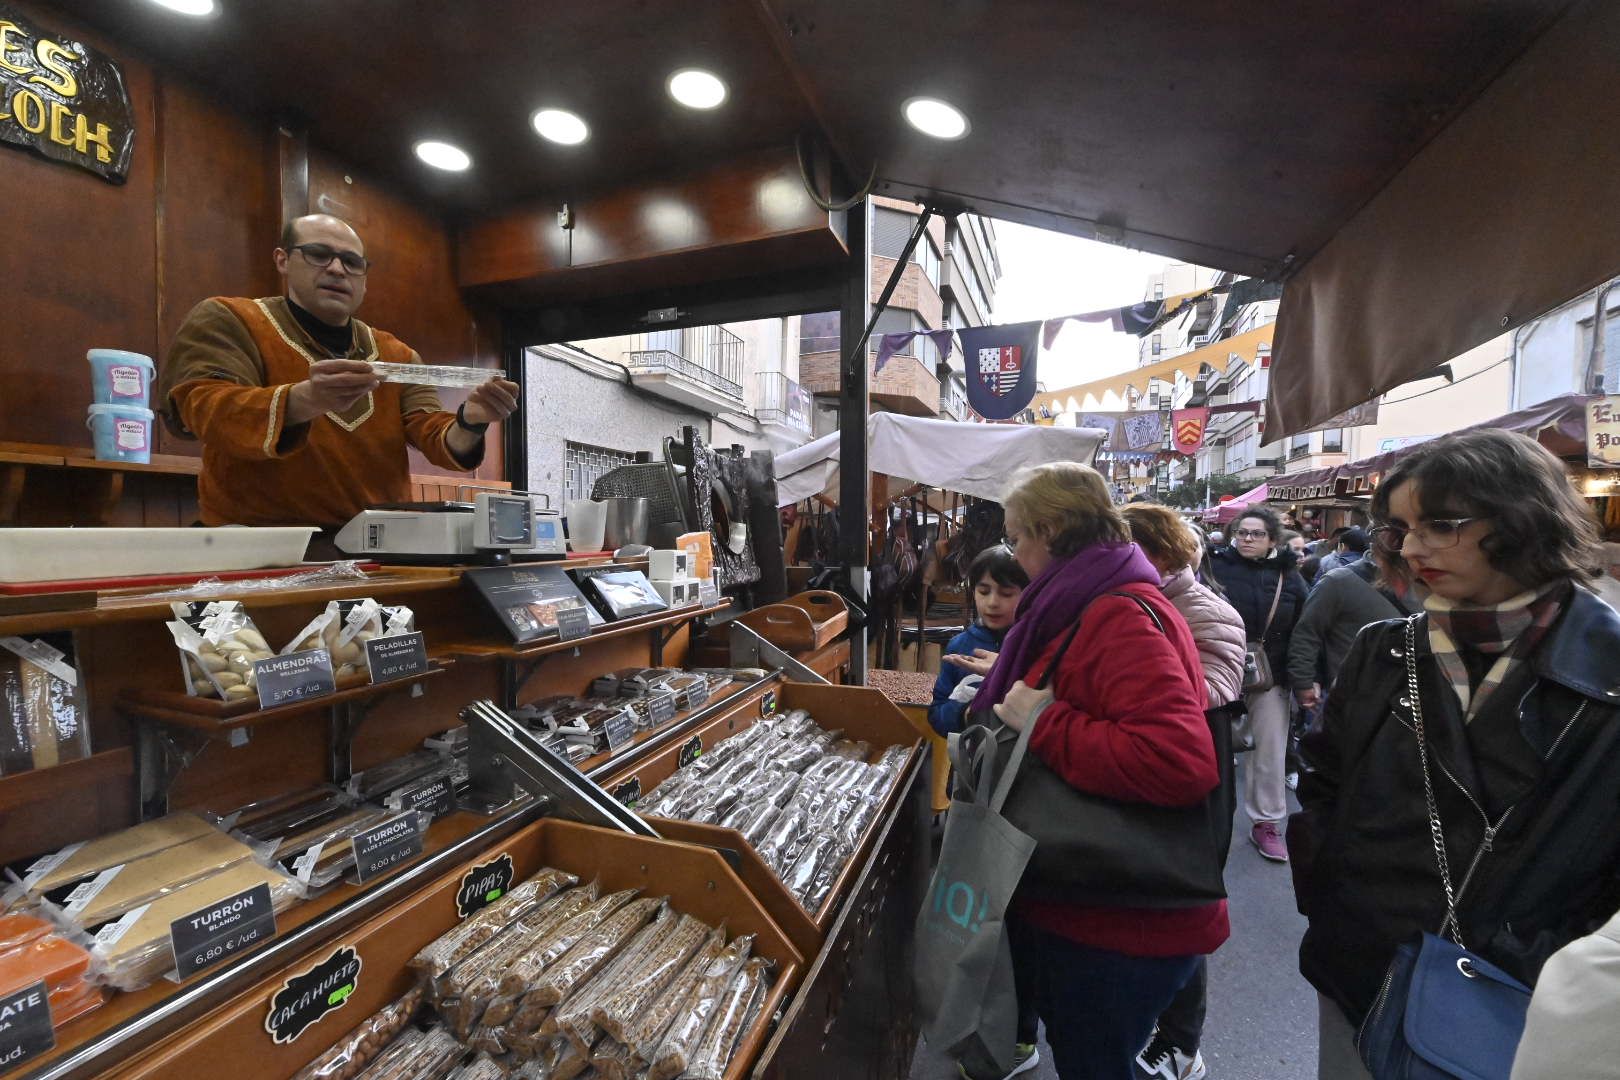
{"points": [[998, 581]]}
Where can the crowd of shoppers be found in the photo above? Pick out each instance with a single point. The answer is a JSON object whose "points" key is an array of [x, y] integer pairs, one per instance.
{"points": [[1480, 555]]}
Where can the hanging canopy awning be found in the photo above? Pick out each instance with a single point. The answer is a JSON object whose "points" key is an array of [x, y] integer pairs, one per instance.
{"points": [[1559, 424], [974, 459], [1231, 509], [1249, 347]]}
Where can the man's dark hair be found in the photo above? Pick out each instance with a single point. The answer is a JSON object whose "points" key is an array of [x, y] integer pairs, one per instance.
{"points": [[289, 236], [1353, 539], [998, 563], [1340, 531], [1540, 529]]}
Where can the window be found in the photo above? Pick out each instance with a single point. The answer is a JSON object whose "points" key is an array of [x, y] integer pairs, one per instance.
{"points": [[666, 340], [587, 464], [894, 321], [890, 231], [927, 254], [1158, 344], [1299, 446], [1158, 290], [1611, 353], [1333, 441]]}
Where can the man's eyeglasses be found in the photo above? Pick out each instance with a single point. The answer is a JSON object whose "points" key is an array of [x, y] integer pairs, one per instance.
{"points": [[320, 256], [1436, 534], [1251, 534]]}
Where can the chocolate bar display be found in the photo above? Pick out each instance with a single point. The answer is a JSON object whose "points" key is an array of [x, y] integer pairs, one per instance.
{"points": [[622, 594]]}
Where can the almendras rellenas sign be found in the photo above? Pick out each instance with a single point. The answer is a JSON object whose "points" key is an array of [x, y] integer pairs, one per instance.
{"points": [[63, 99]]}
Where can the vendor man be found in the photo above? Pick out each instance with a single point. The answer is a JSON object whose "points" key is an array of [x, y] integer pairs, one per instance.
{"points": [[295, 425]]}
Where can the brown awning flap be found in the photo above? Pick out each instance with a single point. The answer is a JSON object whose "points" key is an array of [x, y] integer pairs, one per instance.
{"points": [[1506, 214]]}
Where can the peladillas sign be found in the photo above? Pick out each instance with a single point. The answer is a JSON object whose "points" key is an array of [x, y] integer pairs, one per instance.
{"points": [[63, 99]]}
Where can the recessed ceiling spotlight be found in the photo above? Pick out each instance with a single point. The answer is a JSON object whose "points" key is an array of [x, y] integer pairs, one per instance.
{"points": [[560, 126], [697, 89], [937, 118], [442, 155], [188, 7]]}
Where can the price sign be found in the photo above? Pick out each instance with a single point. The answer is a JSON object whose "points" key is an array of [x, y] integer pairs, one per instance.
{"points": [[25, 1025], [661, 707], [697, 695], [299, 676], [215, 933], [619, 730], [397, 657], [690, 752], [573, 623], [382, 847], [435, 796], [628, 792]]}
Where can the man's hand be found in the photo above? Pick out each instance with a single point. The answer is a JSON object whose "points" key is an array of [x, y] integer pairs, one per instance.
{"points": [[979, 663], [495, 400], [1309, 696], [333, 386], [1021, 704]]}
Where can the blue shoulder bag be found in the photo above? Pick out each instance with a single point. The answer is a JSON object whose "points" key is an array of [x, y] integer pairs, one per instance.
{"points": [[1443, 1013]]}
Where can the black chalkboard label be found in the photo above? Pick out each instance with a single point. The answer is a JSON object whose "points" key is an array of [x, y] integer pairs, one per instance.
{"points": [[690, 752], [25, 1025], [397, 657], [767, 704], [382, 847], [484, 884], [297, 676], [573, 623], [305, 998], [220, 930], [661, 707], [629, 792]]}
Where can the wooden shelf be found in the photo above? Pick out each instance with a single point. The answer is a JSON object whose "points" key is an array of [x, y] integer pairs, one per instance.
{"points": [[484, 651], [211, 715], [24, 788]]}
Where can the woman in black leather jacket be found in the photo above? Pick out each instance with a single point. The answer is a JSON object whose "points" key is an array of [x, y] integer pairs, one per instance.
{"points": [[1518, 684]]}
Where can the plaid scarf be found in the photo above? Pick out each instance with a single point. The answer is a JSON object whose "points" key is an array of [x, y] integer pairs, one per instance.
{"points": [[1509, 631]]}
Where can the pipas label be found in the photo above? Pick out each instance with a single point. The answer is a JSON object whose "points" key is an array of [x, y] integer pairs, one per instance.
{"points": [[397, 657], [484, 884], [209, 935], [307, 997], [383, 847], [297, 676], [25, 1025]]}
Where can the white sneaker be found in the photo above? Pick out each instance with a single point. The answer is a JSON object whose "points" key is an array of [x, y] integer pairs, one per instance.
{"points": [[1161, 1061]]}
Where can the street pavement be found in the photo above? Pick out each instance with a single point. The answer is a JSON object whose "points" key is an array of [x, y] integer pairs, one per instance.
{"points": [[1262, 1015]]}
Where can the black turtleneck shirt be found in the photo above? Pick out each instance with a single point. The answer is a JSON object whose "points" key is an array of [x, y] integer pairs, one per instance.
{"points": [[336, 340]]}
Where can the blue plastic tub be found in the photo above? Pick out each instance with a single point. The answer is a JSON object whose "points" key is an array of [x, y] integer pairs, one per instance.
{"points": [[122, 432], [121, 378]]}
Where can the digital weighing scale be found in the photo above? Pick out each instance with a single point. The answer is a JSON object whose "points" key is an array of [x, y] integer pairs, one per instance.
{"points": [[496, 525]]}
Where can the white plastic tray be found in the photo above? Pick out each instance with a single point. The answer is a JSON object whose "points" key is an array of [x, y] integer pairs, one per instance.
{"points": [[59, 554]]}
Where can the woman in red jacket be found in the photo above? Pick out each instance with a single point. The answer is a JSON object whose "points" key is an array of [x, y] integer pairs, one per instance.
{"points": [[1124, 718]]}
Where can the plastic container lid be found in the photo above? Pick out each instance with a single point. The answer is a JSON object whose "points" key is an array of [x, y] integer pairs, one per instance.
{"points": [[136, 412], [121, 356]]}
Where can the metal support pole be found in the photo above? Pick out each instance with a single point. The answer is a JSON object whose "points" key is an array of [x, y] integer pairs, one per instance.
{"points": [[853, 386]]}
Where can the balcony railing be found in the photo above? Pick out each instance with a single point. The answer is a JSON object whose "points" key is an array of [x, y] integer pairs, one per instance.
{"points": [[953, 399], [709, 355], [783, 403]]}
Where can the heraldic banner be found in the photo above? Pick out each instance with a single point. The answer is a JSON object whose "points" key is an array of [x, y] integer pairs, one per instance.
{"points": [[1000, 367], [1187, 428]]}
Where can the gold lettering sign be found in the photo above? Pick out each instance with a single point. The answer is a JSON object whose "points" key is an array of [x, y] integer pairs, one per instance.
{"points": [[63, 99]]}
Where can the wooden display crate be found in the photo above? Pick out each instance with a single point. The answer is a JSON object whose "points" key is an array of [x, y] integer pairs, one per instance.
{"points": [[697, 881], [860, 713]]}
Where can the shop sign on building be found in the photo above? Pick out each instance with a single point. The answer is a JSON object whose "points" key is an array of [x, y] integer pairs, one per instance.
{"points": [[63, 99], [1603, 432]]}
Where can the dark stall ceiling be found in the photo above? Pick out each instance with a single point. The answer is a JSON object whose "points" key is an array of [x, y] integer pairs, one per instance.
{"points": [[1235, 133]]}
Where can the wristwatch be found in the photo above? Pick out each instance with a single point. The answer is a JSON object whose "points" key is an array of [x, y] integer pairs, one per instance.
{"points": [[461, 421]]}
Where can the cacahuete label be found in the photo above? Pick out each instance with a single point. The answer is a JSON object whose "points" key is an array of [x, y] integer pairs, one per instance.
{"points": [[307, 997]]}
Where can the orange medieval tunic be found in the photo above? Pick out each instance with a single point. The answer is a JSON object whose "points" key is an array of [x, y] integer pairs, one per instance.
{"points": [[225, 382]]}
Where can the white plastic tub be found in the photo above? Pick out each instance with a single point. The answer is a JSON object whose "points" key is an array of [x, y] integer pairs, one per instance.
{"points": [[59, 554]]}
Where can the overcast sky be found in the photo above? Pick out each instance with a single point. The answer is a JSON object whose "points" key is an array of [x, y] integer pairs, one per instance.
{"points": [[1046, 274]]}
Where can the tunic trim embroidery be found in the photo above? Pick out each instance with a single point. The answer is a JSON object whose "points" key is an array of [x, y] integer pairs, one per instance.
{"points": [[270, 428], [371, 404]]}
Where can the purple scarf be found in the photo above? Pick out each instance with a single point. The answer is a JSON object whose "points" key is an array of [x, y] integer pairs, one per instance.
{"points": [[1053, 603]]}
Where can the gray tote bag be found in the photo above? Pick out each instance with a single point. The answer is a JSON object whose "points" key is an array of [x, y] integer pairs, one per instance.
{"points": [[964, 964]]}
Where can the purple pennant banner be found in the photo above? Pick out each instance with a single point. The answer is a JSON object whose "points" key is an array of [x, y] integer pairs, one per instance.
{"points": [[891, 344]]}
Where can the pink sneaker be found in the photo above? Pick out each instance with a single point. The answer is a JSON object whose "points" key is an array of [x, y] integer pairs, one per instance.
{"points": [[1268, 838]]}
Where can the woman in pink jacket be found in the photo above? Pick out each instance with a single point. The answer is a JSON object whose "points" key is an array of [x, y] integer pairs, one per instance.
{"points": [[1172, 1053]]}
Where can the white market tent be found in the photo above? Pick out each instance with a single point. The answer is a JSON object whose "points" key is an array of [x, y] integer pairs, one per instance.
{"points": [[974, 459]]}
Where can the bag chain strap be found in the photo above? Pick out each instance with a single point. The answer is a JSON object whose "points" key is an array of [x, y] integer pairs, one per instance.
{"points": [[1435, 832]]}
